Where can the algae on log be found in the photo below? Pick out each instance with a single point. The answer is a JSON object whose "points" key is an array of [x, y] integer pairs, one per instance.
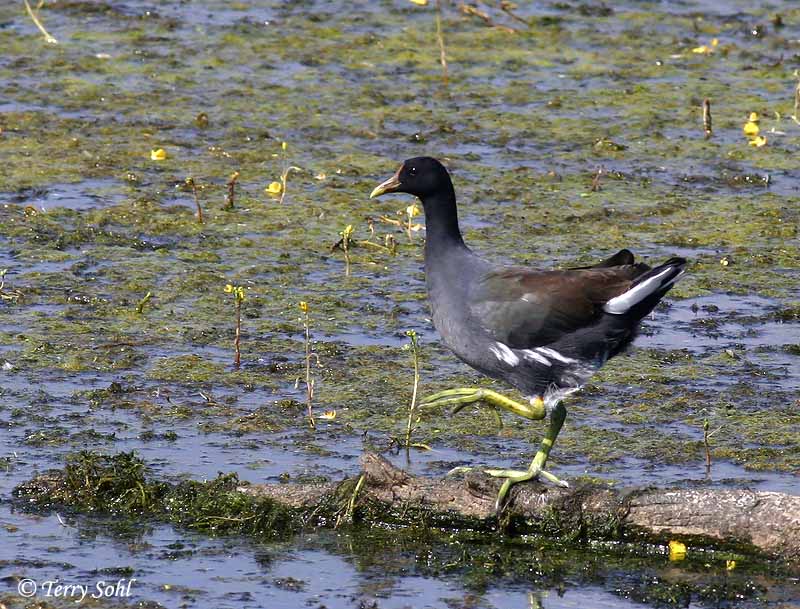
{"points": [[764, 522]]}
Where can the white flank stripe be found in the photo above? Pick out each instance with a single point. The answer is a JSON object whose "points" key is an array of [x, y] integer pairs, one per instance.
{"points": [[538, 357], [504, 354], [553, 354], [626, 300]]}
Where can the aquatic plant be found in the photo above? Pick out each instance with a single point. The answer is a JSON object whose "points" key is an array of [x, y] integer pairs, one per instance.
{"points": [[413, 346], [706, 444], [35, 18], [412, 211], [751, 131], [308, 355], [707, 127], [796, 115], [231, 192], [9, 295], [279, 188], [141, 304], [440, 41], [238, 296], [192, 185], [344, 245], [389, 246], [407, 224]]}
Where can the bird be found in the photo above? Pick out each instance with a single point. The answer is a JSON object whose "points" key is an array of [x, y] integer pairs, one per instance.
{"points": [[543, 332]]}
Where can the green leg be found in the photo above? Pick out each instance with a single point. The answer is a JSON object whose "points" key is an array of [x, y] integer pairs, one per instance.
{"points": [[512, 477], [534, 411], [461, 397]]}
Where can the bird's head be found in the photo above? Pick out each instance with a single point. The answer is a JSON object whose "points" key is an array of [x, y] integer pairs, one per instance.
{"points": [[421, 176]]}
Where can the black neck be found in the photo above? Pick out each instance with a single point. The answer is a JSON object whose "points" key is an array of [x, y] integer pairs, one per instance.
{"points": [[441, 220]]}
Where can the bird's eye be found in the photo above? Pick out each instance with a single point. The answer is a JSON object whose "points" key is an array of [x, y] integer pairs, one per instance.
{"points": [[413, 171]]}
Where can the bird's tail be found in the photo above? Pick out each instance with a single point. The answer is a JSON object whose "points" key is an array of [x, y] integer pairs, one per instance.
{"points": [[646, 290]]}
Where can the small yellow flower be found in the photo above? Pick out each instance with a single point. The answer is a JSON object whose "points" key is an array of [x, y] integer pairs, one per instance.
{"points": [[274, 188], [419, 2], [303, 306], [412, 211], [328, 415], [730, 565], [758, 141], [750, 129], [705, 49], [283, 145], [677, 550], [753, 117], [159, 154], [236, 290]]}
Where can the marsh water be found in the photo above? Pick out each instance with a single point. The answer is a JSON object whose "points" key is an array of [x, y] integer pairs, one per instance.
{"points": [[530, 115]]}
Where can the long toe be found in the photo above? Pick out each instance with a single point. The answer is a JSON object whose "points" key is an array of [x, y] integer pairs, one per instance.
{"points": [[554, 479], [461, 469], [449, 394], [513, 476], [508, 473]]}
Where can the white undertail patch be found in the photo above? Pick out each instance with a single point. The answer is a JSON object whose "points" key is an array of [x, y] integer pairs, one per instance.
{"points": [[622, 303], [504, 354]]}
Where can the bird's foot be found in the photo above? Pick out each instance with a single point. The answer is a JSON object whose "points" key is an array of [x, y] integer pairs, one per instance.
{"points": [[468, 395], [512, 477]]}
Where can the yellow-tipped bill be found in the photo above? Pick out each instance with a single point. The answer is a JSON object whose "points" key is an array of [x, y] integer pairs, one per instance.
{"points": [[389, 185]]}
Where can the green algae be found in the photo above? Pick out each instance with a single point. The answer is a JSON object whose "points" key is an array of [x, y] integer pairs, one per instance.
{"points": [[119, 485]]}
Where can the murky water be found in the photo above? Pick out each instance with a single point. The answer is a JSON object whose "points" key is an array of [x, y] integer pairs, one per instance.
{"points": [[89, 224]]}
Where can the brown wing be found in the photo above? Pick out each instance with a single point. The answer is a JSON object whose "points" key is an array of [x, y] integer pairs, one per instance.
{"points": [[524, 309]]}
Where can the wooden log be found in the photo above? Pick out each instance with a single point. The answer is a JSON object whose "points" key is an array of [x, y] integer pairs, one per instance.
{"points": [[755, 522]]}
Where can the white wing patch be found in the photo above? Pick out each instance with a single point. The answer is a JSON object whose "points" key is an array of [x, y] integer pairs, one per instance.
{"points": [[555, 355], [623, 302], [504, 354], [531, 354]]}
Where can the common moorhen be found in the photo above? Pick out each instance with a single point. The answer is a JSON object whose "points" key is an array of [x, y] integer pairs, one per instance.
{"points": [[543, 332]]}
